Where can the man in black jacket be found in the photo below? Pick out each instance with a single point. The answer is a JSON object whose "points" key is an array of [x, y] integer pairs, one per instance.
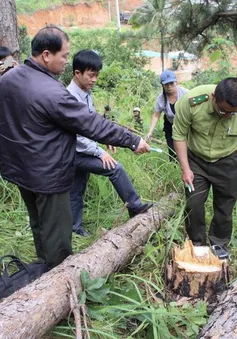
{"points": [[38, 125]]}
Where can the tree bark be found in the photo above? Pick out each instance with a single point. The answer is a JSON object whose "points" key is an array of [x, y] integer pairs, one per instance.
{"points": [[8, 27], [35, 309], [222, 323]]}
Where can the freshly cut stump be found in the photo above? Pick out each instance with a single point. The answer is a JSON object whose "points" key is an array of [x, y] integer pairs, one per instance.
{"points": [[197, 276]]}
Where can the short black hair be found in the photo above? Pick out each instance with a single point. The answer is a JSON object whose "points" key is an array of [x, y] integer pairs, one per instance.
{"points": [[50, 38], [4, 52], [226, 90], [87, 59]]}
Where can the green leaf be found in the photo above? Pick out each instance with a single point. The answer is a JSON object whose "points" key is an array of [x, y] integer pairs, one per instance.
{"points": [[82, 298], [84, 278], [96, 297], [95, 313], [195, 328], [215, 56], [95, 284]]}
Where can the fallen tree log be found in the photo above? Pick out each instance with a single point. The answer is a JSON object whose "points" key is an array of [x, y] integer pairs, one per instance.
{"points": [[222, 323], [32, 311]]}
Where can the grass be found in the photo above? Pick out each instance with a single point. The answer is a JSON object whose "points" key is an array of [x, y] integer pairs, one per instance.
{"points": [[130, 311], [132, 307]]}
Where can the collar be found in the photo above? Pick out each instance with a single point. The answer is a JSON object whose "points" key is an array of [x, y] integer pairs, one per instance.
{"points": [[211, 108], [83, 94], [32, 63]]}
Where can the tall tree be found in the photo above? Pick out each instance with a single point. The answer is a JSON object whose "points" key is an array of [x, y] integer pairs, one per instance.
{"points": [[202, 20], [187, 24], [8, 27], [152, 17]]}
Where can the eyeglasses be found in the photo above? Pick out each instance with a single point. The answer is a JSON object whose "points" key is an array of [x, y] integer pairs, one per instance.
{"points": [[225, 112], [221, 111]]}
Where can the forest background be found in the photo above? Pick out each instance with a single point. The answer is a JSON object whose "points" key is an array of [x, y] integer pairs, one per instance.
{"points": [[123, 84]]}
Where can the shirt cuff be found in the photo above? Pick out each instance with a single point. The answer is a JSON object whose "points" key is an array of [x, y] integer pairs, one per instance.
{"points": [[100, 152]]}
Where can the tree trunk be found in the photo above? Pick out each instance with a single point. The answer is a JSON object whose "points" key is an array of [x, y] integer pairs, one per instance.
{"points": [[162, 52], [8, 27], [222, 323], [32, 311]]}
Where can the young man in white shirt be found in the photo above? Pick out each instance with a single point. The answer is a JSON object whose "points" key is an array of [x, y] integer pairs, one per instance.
{"points": [[90, 158]]}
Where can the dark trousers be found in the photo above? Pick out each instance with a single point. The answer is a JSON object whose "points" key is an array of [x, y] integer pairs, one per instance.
{"points": [[51, 224], [169, 140], [86, 164], [222, 177]]}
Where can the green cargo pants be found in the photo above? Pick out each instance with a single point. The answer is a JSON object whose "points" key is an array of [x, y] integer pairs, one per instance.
{"points": [[222, 177]]}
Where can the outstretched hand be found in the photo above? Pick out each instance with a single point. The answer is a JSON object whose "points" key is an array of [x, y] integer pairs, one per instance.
{"points": [[143, 147], [2, 69], [148, 136]]}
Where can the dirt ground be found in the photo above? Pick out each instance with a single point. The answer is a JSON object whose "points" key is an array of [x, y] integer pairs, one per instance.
{"points": [[87, 15]]}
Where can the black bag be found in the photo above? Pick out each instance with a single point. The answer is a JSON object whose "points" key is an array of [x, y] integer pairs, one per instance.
{"points": [[25, 274]]}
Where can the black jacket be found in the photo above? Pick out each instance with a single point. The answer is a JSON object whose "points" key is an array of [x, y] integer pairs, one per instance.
{"points": [[39, 120]]}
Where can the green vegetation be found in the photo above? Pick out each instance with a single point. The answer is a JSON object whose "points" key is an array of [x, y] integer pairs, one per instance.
{"points": [[193, 24], [127, 304], [131, 306], [25, 6]]}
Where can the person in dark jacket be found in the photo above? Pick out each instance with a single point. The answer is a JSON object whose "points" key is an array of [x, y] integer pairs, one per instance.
{"points": [[38, 125]]}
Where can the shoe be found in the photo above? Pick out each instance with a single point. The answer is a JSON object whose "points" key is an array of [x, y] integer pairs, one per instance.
{"points": [[82, 232], [141, 209], [220, 252]]}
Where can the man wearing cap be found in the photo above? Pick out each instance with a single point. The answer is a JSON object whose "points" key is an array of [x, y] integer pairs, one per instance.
{"points": [[205, 139], [165, 103], [138, 121]]}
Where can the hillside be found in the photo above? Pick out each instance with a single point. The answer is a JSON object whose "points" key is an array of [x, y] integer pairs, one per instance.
{"points": [[84, 15]]}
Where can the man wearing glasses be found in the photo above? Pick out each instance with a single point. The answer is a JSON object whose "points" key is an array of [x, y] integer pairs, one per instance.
{"points": [[205, 140]]}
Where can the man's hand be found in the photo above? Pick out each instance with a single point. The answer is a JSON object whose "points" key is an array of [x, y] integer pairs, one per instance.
{"points": [[188, 177], [15, 63], [148, 136], [2, 69], [111, 148], [108, 161], [143, 147]]}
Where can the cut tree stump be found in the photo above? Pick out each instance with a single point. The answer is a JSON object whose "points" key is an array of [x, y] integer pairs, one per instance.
{"points": [[195, 276], [32, 311]]}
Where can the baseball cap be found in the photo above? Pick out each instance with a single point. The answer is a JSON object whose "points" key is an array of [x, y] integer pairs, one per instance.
{"points": [[136, 109], [167, 76]]}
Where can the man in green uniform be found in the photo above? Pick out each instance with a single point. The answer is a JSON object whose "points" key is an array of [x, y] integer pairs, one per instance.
{"points": [[138, 121], [108, 114], [205, 139]]}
